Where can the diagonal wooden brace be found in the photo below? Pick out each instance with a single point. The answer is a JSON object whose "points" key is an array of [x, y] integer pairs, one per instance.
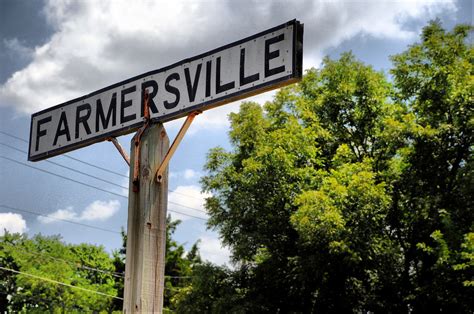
{"points": [[120, 149], [174, 146]]}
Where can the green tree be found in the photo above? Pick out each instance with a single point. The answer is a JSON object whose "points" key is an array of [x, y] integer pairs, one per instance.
{"points": [[346, 193], [179, 265], [213, 289], [434, 195], [84, 266]]}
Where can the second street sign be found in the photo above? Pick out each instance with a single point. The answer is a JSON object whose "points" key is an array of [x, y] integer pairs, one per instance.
{"points": [[259, 63]]}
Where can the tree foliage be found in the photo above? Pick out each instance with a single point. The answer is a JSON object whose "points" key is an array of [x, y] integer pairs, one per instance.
{"points": [[348, 192], [85, 266], [50, 258]]}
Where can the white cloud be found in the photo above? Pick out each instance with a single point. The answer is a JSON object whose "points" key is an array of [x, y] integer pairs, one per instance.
{"points": [[13, 223], [18, 49], [100, 210], [190, 174], [62, 214], [211, 249], [186, 199], [96, 211], [187, 174], [99, 43]]}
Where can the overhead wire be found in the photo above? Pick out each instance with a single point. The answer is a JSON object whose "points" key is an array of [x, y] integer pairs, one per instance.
{"points": [[79, 264], [61, 176], [54, 218], [87, 174], [68, 156], [98, 188], [59, 283], [68, 168], [76, 264]]}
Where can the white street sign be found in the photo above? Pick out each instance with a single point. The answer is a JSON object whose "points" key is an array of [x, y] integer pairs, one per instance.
{"points": [[259, 63]]}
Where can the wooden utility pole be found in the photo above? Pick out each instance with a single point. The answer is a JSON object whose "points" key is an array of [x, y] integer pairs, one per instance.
{"points": [[146, 232]]}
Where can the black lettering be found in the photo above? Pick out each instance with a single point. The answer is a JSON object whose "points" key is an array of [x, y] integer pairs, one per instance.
{"points": [[111, 113], [272, 55], [40, 132], [60, 131], [208, 78], [173, 90], [125, 104], [221, 88], [83, 119], [243, 79], [151, 104], [192, 88]]}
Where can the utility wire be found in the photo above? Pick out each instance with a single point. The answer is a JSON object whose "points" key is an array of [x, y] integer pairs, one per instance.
{"points": [[68, 156], [50, 217], [97, 178], [100, 189], [97, 188], [60, 283], [66, 167], [60, 176], [76, 264]]}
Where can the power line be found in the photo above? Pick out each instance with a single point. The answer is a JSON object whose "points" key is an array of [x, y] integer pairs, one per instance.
{"points": [[50, 217], [89, 175], [84, 162], [59, 283], [88, 185], [94, 187], [97, 178], [63, 177], [68, 156], [13, 136], [76, 264], [66, 167]]}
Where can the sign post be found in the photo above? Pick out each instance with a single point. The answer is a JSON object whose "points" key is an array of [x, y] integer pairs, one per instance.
{"points": [[259, 63], [146, 230]]}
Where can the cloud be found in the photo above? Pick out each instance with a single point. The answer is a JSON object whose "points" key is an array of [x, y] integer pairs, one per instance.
{"points": [[100, 210], [96, 211], [211, 249], [15, 48], [186, 199], [13, 223], [99, 43], [187, 174], [61, 214]]}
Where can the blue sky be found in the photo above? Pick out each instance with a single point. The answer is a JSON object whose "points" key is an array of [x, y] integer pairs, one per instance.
{"points": [[53, 51]]}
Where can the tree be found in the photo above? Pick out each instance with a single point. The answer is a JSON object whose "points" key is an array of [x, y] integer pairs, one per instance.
{"points": [[213, 289], [84, 266], [435, 193], [346, 193]]}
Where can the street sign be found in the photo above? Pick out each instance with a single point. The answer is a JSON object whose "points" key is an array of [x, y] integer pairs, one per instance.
{"points": [[253, 65]]}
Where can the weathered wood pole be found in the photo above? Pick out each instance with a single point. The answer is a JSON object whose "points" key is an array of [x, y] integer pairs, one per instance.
{"points": [[146, 231]]}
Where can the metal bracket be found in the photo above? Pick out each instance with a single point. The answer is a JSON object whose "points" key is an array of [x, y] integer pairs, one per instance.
{"points": [[174, 146], [120, 149], [136, 139]]}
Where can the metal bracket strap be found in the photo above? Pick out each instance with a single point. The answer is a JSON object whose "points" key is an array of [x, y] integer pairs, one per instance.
{"points": [[136, 139], [174, 146]]}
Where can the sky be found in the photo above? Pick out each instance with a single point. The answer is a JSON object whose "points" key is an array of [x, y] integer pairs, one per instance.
{"points": [[54, 51]]}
